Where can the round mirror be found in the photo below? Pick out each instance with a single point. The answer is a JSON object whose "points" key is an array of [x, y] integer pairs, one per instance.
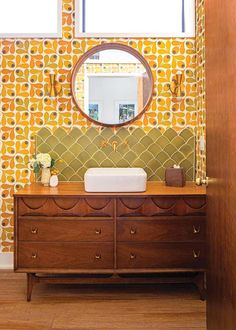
{"points": [[112, 84]]}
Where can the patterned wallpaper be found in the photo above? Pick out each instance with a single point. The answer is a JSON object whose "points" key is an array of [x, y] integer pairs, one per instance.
{"points": [[201, 88], [25, 108]]}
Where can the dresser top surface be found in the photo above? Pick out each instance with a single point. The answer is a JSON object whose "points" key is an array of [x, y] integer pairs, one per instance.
{"points": [[77, 189]]}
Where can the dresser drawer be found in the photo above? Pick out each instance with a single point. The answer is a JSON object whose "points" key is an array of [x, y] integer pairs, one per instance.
{"points": [[161, 205], [66, 230], [65, 206], [65, 255], [161, 255], [172, 229]]}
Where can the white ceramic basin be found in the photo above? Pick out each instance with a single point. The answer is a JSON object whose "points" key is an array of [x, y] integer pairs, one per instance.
{"points": [[115, 180]]}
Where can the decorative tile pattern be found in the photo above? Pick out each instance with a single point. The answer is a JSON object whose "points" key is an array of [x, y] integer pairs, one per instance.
{"points": [[26, 109], [153, 150]]}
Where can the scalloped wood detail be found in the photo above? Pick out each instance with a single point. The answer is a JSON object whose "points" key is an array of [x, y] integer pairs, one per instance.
{"points": [[33, 203], [150, 207], [195, 203], [163, 202], [95, 205], [79, 207], [66, 203], [132, 203]]}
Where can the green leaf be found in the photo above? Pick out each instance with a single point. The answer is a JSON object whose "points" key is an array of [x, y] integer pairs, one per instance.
{"points": [[52, 162], [36, 168]]}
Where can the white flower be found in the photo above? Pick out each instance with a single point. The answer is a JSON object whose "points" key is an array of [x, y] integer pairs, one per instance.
{"points": [[44, 160], [31, 163]]}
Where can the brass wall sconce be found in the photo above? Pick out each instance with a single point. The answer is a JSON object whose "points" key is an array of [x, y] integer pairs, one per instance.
{"points": [[54, 88], [176, 87]]}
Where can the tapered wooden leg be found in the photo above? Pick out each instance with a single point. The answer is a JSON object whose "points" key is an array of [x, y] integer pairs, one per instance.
{"points": [[201, 285], [30, 285]]}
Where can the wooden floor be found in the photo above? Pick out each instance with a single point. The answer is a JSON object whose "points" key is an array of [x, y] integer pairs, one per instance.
{"points": [[148, 307]]}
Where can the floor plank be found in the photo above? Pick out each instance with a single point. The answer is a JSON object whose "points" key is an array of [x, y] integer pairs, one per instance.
{"points": [[123, 307]]}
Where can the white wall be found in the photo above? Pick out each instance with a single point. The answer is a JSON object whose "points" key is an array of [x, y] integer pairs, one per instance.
{"points": [[115, 56], [6, 260]]}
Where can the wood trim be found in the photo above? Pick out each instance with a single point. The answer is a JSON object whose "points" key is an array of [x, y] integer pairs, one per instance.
{"points": [[32, 279], [163, 218], [117, 46], [115, 233], [69, 189], [30, 218], [110, 271], [15, 232], [114, 280]]}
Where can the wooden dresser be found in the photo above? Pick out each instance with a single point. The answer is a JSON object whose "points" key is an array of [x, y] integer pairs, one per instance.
{"points": [[152, 237]]}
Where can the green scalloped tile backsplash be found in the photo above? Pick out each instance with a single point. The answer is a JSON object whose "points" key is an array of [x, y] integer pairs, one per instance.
{"points": [[81, 149]]}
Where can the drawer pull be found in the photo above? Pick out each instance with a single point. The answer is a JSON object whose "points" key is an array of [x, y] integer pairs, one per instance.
{"points": [[34, 231], [98, 231], [132, 256], [98, 256], [196, 255], [196, 230], [133, 231], [34, 256]]}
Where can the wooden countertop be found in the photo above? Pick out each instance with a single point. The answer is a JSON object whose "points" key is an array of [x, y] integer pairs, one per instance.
{"points": [[77, 189]]}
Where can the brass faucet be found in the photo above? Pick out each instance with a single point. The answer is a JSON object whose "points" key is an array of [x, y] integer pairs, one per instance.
{"points": [[113, 144], [104, 143]]}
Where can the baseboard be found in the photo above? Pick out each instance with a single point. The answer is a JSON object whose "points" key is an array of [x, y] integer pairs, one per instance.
{"points": [[6, 260]]}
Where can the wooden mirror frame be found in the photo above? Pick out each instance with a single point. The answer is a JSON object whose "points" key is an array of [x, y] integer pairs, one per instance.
{"points": [[107, 46]]}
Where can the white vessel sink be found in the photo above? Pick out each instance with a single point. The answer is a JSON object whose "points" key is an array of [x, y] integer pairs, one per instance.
{"points": [[115, 180]]}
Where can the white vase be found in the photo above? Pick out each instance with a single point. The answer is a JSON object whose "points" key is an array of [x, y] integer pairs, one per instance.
{"points": [[54, 181], [45, 176]]}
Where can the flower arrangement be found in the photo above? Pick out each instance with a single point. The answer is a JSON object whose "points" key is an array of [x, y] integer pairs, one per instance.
{"points": [[41, 161], [46, 164]]}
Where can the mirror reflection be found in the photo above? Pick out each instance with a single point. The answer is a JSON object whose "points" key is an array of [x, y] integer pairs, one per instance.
{"points": [[112, 87]]}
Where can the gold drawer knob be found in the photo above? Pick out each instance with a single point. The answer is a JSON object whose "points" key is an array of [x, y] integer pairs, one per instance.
{"points": [[196, 255], [98, 231], [34, 231], [98, 256], [196, 230], [132, 256], [34, 255], [133, 231]]}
